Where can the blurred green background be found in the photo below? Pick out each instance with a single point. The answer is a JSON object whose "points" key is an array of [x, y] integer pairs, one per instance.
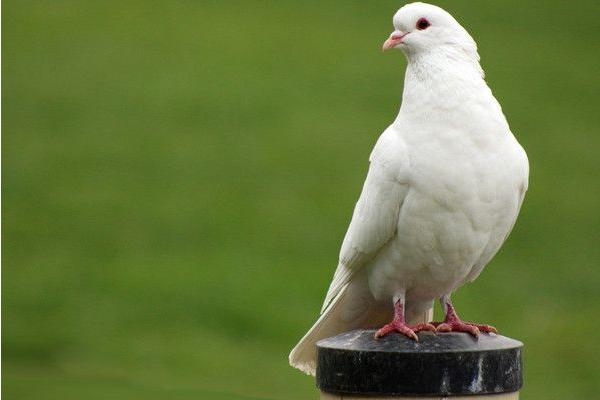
{"points": [[178, 177]]}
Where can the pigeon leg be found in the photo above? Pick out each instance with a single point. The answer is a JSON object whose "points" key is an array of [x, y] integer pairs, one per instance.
{"points": [[452, 323], [399, 325]]}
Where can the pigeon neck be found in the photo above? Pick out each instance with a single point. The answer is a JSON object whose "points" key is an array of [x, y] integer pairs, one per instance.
{"points": [[447, 61], [442, 81]]}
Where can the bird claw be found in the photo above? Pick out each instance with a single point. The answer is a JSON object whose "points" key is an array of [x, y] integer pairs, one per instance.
{"points": [[468, 327], [409, 331], [423, 327], [484, 328]]}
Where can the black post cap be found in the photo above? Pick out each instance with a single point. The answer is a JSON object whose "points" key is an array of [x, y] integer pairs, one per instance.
{"points": [[447, 364]]}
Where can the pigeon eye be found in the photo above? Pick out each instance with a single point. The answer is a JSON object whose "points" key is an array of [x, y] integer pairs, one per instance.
{"points": [[422, 23]]}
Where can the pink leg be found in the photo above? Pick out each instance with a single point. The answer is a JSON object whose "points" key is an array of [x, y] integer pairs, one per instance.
{"points": [[452, 323], [399, 325]]}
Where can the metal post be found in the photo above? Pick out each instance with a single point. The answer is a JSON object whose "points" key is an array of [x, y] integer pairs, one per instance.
{"points": [[354, 365]]}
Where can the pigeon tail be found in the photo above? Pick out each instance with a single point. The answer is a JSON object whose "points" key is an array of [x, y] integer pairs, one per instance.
{"points": [[352, 308]]}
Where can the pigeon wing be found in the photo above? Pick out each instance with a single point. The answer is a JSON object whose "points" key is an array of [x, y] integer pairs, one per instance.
{"points": [[375, 217]]}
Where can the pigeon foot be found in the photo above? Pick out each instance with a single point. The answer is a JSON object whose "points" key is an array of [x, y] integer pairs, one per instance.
{"points": [[452, 323], [409, 331], [468, 327], [399, 324]]}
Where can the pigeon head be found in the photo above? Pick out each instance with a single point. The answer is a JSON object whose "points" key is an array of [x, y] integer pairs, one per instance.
{"points": [[422, 28]]}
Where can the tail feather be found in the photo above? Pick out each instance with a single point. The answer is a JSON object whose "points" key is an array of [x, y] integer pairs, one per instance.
{"points": [[352, 308]]}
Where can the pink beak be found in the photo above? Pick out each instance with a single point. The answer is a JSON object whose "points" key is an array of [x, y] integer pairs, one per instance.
{"points": [[395, 38]]}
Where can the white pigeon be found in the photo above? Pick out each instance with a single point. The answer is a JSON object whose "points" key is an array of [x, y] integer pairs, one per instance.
{"points": [[445, 184]]}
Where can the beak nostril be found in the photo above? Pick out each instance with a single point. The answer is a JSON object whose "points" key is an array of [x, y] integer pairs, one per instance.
{"points": [[394, 39]]}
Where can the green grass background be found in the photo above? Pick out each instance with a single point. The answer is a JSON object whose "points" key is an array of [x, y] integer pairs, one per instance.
{"points": [[178, 177]]}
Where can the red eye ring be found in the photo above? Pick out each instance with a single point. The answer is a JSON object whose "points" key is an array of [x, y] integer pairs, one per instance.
{"points": [[422, 23]]}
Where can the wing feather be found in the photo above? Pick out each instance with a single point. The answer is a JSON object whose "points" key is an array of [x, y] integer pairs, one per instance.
{"points": [[375, 218]]}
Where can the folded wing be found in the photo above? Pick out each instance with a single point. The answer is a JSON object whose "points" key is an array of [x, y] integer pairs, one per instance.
{"points": [[375, 217]]}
